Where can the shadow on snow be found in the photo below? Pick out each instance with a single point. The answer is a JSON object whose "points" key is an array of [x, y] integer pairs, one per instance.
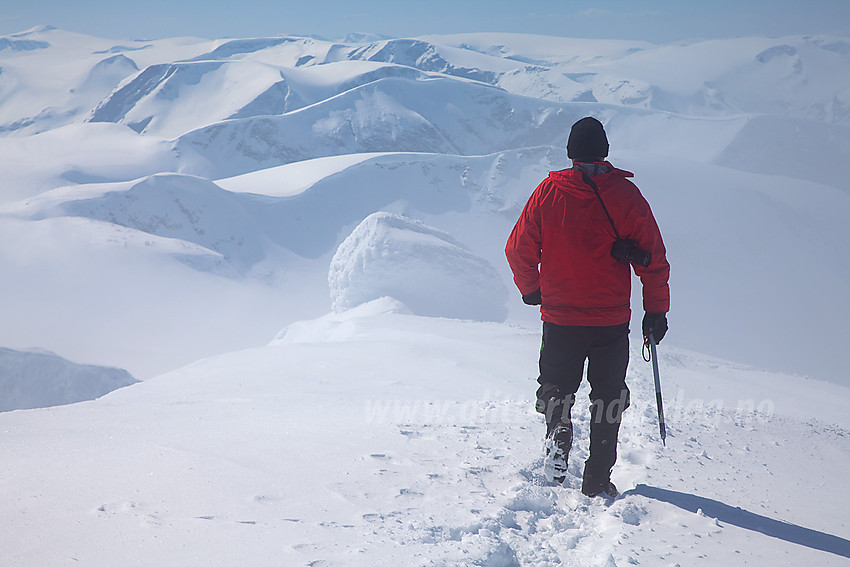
{"points": [[747, 520]]}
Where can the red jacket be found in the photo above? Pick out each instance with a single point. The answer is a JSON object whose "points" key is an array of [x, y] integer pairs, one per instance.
{"points": [[561, 244]]}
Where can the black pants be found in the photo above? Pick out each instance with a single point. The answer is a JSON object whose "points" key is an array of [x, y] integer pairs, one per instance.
{"points": [[562, 358]]}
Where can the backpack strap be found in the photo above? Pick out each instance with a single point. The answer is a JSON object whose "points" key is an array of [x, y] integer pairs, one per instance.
{"points": [[587, 179]]}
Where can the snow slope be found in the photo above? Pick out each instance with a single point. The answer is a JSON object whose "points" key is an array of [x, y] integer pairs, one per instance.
{"points": [[38, 379], [378, 437], [52, 77]]}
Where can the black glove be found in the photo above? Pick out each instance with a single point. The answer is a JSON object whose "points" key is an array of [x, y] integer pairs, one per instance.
{"points": [[655, 323], [532, 298]]}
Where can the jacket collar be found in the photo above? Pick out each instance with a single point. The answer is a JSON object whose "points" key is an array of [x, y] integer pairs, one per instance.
{"points": [[571, 180]]}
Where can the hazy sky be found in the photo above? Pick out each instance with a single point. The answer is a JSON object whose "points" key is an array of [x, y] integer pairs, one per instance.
{"points": [[659, 21]]}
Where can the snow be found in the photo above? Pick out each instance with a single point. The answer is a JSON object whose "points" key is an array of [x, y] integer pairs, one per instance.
{"points": [[291, 179], [79, 153], [160, 99], [37, 379], [390, 255], [376, 436], [297, 245]]}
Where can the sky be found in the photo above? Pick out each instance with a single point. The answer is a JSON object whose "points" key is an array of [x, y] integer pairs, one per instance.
{"points": [[658, 21]]}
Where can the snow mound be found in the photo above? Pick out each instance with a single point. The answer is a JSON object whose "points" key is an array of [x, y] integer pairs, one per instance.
{"points": [[426, 269], [339, 326], [38, 379], [181, 207]]}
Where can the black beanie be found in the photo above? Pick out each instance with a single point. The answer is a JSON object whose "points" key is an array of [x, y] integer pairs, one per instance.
{"points": [[587, 139]]}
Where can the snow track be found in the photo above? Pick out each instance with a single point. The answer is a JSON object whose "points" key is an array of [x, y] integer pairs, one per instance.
{"points": [[718, 491]]}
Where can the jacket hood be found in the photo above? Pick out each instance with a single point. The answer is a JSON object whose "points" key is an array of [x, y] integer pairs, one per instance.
{"points": [[571, 181]]}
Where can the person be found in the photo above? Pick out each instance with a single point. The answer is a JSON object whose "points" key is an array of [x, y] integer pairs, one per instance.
{"points": [[570, 253]]}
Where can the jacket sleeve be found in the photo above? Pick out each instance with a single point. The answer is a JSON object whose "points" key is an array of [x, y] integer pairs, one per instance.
{"points": [[654, 278], [524, 247]]}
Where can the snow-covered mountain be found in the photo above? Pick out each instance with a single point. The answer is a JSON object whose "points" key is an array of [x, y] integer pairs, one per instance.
{"points": [[38, 379], [174, 200], [737, 143]]}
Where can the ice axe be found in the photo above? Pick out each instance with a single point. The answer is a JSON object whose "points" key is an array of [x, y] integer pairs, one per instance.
{"points": [[653, 356]]}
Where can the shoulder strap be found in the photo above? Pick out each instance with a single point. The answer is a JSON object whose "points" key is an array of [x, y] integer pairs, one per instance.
{"points": [[587, 179]]}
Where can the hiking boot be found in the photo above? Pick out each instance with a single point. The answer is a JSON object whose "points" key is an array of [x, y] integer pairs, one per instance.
{"points": [[606, 489], [558, 444]]}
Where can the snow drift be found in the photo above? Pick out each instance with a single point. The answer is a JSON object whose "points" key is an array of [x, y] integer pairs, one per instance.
{"points": [[39, 379], [424, 268]]}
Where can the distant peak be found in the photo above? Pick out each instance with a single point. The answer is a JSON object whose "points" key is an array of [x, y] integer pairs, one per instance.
{"points": [[20, 42], [361, 37], [37, 29]]}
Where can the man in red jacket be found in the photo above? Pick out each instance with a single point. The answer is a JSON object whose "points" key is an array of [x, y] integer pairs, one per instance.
{"points": [[570, 253]]}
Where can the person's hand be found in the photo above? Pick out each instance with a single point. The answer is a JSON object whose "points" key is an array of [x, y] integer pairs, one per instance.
{"points": [[655, 323], [532, 298]]}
